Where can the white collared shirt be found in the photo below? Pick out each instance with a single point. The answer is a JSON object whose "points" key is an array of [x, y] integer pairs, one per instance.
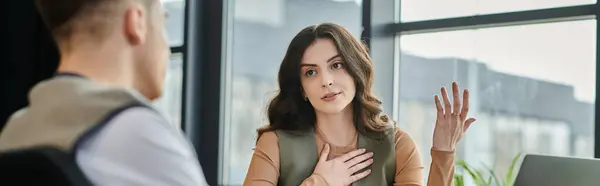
{"points": [[139, 147]]}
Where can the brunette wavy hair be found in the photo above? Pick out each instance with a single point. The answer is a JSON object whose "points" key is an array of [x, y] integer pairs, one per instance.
{"points": [[288, 111]]}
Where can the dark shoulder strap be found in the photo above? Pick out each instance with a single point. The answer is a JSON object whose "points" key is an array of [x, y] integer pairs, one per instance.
{"points": [[297, 157], [100, 125]]}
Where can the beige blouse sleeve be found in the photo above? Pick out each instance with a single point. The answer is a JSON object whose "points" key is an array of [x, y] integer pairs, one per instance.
{"points": [[409, 168]]}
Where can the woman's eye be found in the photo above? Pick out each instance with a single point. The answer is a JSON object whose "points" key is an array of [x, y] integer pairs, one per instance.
{"points": [[310, 72], [337, 65]]}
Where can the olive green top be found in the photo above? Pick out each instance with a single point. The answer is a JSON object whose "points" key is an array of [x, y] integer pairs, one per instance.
{"points": [[299, 156]]}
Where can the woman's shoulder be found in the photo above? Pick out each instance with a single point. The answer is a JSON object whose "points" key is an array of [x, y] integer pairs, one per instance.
{"points": [[402, 138], [271, 134], [268, 144], [274, 136], [269, 137]]}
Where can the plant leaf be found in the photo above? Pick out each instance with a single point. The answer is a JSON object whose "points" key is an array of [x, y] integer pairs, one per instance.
{"points": [[480, 177], [478, 180], [510, 178], [492, 175], [459, 180]]}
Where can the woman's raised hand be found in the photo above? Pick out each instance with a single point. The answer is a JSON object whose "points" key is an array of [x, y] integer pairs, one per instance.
{"points": [[341, 170], [451, 122]]}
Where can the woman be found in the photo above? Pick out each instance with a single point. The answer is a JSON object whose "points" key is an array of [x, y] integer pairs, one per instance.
{"points": [[327, 128]]}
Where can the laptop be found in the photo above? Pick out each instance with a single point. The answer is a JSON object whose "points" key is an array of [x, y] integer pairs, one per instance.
{"points": [[542, 170]]}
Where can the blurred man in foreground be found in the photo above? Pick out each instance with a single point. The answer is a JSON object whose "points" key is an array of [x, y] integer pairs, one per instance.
{"points": [[113, 64]]}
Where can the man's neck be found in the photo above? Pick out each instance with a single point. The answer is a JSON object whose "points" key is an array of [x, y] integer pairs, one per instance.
{"points": [[103, 66], [338, 128]]}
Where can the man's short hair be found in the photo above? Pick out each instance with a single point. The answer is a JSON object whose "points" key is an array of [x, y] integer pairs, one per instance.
{"points": [[92, 17]]}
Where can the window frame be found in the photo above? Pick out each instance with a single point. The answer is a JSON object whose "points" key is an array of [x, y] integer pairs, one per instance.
{"points": [[201, 53]]}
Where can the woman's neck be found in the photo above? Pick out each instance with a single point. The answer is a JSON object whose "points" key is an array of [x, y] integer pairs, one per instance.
{"points": [[338, 128]]}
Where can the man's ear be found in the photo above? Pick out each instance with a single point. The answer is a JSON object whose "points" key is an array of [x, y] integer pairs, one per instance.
{"points": [[135, 24]]}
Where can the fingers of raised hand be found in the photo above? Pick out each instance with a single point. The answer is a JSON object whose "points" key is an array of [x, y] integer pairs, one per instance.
{"points": [[447, 105], [456, 107], [438, 105], [468, 124], [456, 98], [465, 106]]}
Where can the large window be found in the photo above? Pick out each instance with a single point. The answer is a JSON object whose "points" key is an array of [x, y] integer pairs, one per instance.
{"points": [[175, 21], [260, 31], [170, 102], [532, 87], [418, 10]]}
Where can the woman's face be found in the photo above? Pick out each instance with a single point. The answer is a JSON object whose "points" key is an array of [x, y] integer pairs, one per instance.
{"points": [[325, 81]]}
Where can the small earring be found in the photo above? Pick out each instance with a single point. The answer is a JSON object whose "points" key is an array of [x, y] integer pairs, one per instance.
{"points": [[305, 98]]}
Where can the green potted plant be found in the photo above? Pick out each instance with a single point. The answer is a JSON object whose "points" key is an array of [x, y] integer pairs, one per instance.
{"points": [[492, 178]]}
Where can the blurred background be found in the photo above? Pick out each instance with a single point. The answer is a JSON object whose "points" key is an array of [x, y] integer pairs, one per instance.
{"points": [[530, 66]]}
